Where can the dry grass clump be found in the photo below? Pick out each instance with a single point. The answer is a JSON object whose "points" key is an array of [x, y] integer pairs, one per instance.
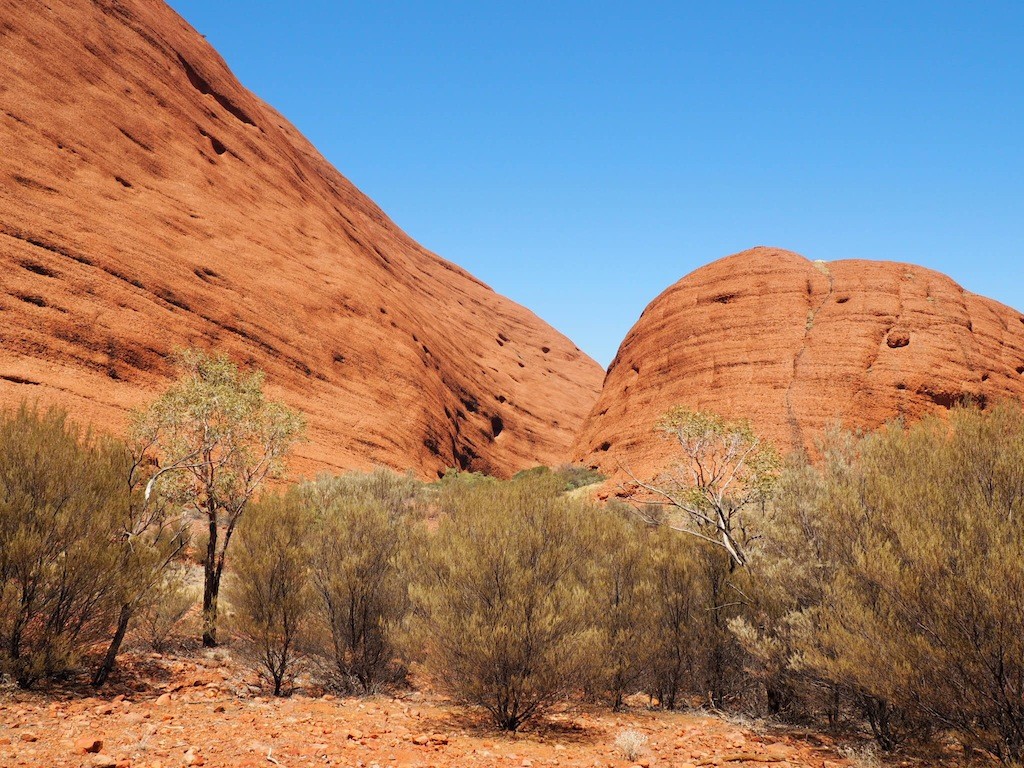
{"points": [[631, 744]]}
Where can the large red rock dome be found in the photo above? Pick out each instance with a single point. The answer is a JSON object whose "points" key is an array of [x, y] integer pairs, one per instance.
{"points": [[148, 201], [797, 346]]}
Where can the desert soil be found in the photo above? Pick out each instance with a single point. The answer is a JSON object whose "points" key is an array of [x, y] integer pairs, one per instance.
{"points": [[166, 711]]}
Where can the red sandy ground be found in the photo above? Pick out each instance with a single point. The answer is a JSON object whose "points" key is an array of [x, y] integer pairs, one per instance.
{"points": [[203, 712]]}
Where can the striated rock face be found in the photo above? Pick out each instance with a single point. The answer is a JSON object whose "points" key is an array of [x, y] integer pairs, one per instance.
{"points": [[798, 346], [148, 201]]}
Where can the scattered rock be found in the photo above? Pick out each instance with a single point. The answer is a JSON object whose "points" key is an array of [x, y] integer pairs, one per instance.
{"points": [[382, 731], [88, 744]]}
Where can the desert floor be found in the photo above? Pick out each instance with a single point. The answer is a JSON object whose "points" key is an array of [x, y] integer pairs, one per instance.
{"points": [[164, 711]]}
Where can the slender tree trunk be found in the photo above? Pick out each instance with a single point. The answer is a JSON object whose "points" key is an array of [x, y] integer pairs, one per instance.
{"points": [[115, 646], [210, 591], [779, 696], [211, 588], [833, 707]]}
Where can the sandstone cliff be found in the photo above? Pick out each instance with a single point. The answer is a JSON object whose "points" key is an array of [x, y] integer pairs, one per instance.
{"points": [[149, 201]]}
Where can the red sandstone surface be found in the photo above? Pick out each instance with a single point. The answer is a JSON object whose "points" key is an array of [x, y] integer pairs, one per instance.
{"points": [[797, 346], [148, 201]]}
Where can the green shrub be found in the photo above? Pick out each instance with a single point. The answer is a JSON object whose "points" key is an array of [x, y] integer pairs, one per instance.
{"points": [[63, 505], [363, 525], [577, 476], [270, 591], [165, 608], [688, 652], [621, 599], [905, 552], [571, 476], [502, 609]]}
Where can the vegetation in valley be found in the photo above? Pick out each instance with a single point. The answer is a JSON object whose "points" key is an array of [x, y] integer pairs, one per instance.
{"points": [[877, 588]]}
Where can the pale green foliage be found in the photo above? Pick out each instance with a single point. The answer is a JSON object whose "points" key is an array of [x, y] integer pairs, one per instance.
{"points": [[501, 602], [363, 525], [214, 438], [722, 475], [454, 478], [792, 564], [674, 618], [908, 591], [572, 476], [715, 495], [270, 591], [64, 504]]}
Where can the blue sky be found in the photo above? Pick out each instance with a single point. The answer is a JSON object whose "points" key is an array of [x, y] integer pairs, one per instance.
{"points": [[582, 156]]}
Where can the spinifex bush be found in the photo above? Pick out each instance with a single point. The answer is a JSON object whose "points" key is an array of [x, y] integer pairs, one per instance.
{"points": [[631, 744], [502, 607], [363, 524], [63, 505]]}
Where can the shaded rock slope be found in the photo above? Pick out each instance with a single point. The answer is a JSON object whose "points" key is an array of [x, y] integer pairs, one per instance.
{"points": [[798, 346], [148, 201]]}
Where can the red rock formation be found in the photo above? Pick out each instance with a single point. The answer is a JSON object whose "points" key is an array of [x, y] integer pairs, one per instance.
{"points": [[149, 201], [798, 346]]}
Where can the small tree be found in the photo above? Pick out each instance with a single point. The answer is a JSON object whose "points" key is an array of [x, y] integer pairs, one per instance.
{"points": [[723, 475], [213, 438], [362, 526], [502, 611], [270, 590], [715, 493]]}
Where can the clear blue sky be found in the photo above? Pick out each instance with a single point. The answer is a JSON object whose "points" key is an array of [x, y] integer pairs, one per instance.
{"points": [[582, 156]]}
